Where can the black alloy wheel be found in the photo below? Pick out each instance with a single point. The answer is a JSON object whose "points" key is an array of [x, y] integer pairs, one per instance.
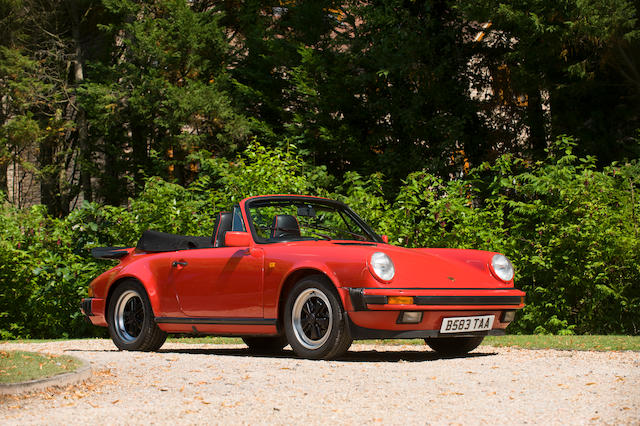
{"points": [[130, 319], [315, 321]]}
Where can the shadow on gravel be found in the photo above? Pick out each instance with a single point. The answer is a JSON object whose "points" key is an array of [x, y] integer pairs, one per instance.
{"points": [[355, 356]]}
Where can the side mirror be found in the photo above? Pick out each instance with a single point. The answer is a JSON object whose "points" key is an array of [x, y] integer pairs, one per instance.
{"points": [[237, 239], [385, 239]]}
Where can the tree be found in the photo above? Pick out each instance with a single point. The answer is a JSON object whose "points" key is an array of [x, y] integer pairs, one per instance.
{"points": [[162, 92], [575, 59]]}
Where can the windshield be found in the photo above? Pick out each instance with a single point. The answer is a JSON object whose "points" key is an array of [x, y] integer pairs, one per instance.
{"points": [[277, 220]]}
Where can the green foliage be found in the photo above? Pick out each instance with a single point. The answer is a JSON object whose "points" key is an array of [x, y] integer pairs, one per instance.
{"points": [[45, 265], [260, 171], [571, 231]]}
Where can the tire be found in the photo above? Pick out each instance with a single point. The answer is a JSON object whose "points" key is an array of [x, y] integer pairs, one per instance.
{"points": [[451, 346], [265, 345], [315, 322], [130, 318]]}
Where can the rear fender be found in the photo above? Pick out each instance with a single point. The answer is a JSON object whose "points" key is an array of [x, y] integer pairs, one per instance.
{"points": [[141, 272]]}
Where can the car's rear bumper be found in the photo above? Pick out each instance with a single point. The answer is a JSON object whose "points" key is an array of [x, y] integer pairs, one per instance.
{"points": [[93, 309], [374, 314]]}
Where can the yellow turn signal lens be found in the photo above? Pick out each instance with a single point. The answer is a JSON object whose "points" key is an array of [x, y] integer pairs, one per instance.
{"points": [[400, 300]]}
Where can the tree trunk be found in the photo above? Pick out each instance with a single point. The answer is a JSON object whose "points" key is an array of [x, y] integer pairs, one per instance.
{"points": [[140, 152], [4, 184], [48, 180], [535, 120], [86, 153]]}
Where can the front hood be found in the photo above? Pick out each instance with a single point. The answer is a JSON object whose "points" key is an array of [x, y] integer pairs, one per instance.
{"points": [[442, 268], [415, 268]]}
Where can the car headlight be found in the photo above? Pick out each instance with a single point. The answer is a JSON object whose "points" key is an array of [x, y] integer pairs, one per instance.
{"points": [[381, 266], [501, 267]]}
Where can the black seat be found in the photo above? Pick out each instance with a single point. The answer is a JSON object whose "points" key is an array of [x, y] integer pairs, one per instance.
{"points": [[224, 220], [285, 226]]}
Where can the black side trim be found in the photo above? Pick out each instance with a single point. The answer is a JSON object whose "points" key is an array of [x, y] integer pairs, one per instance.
{"points": [[227, 321], [360, 333]]}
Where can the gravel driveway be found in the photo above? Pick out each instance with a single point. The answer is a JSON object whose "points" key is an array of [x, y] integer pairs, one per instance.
{"points": [[187, 384]]}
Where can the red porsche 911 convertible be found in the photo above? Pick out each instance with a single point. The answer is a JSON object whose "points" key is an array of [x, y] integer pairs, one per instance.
{"points": [[304, 271]]}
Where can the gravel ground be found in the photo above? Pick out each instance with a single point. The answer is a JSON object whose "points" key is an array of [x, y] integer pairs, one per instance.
{"points": [[189, 384]]}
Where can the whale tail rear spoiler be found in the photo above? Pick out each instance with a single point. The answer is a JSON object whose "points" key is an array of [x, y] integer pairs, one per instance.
{"points": [[110, 252]]}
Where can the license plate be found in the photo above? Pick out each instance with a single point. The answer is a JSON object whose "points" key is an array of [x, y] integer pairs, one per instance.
{"points": [[466, 324]]}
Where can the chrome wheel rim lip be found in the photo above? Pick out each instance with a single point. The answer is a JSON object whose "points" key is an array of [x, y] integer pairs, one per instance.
{"points": [[129, 316], [302, 321]]}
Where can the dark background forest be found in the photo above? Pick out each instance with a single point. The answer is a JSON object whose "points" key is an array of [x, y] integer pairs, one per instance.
{"points": [[509, 126]]}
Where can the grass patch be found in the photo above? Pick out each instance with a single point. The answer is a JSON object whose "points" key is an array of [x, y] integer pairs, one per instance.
{"points": [[20, 366], [574, 343]]}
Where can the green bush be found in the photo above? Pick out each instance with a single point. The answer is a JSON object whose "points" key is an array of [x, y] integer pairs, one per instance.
{"points": [[571, 231]]}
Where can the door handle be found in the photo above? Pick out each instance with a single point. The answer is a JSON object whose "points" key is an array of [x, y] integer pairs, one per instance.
{"points": [[176, 263]]}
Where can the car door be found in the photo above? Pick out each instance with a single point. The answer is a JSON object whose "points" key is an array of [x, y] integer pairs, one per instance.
{"points": [[222, 282]]}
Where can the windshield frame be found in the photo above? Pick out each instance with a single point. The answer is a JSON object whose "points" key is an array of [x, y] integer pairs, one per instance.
{"points": [[293, 199]]}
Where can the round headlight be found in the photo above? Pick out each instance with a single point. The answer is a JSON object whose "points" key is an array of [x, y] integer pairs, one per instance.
{"points": [[382, 266], [501, 267]]}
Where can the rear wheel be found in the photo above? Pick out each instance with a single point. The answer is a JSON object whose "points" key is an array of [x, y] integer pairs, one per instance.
{"points": [[131, 322], [453, 345], [315, 322], [265, 345]]}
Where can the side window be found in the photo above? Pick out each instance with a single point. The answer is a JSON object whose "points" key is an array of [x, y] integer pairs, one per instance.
{"points": [[238, 223]]}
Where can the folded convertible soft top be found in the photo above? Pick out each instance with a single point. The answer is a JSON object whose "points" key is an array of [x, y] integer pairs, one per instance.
{"points": [[156, 241]]}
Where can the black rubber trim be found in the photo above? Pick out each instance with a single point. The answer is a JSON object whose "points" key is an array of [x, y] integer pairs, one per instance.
{"points": [[442, 288], [226, 321], [357, 299], [467, 300], [86, 307], [286, 198], [355, 244], [374, 299], [361, 333]]}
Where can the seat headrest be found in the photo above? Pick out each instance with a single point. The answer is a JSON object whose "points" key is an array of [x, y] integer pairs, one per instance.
{"points": [[223, 224], [285, 226]]}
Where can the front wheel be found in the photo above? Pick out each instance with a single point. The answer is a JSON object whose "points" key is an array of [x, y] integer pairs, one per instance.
{"points": [[450, 346], [315, 322], [130, 318]]}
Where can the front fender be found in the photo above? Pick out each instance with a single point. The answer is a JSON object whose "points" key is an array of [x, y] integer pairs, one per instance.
{"points": [[275, 296]]}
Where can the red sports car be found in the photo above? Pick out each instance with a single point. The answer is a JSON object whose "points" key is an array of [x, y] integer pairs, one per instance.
{"points": [[304, 271]]}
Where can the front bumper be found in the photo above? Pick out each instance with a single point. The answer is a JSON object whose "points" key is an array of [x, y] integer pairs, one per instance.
{"points": [[377, 299], [372, 316]]}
